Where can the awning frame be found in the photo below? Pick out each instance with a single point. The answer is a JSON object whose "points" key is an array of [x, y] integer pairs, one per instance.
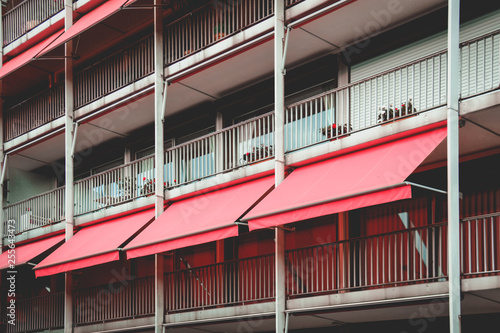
{"points": [[349, 196], [183, 236], [79, 258]]}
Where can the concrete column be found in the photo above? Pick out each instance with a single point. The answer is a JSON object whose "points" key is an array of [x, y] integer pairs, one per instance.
{"points": [[453, 160], [159, 86], [68, 137], [279, 104], [159, 292], [279, 90], [279, 242]]}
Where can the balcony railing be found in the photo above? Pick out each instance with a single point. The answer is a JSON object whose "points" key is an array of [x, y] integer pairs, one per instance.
{"points": [[115, 186], [28, 15], [34, 112], [114, 72], [229, 283], [115, 301], [480, 244], [41, 210], [232, 147], [211, 23], [38, 314], [395, 258]]}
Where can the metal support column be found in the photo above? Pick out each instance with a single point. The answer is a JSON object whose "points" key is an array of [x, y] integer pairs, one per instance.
{"points": [[279, 105], [279, 242], [453, 172], [279, 90], [219, 143], [159, 292], [159, 69], [69, 182]]}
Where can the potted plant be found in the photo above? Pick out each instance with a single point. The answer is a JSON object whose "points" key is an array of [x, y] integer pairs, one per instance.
{"points": [[333, 130], [219, 31]]}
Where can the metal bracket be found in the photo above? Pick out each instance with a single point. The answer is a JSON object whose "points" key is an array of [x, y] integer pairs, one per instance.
{"points": [[164, 101], [285, 50], [2, 177], [282, 228], [73, 144]]}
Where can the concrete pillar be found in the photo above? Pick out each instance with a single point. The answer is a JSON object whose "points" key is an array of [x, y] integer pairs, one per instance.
{"points": [[279, 104], [159, 292], [279, 90], [279, 242], [68, 137], [453, 160], [159, 87]]}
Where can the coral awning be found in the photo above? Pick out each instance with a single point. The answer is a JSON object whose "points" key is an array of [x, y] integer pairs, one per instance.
{"points": [[368, 177], [24, 253], [199, 219], [94, 245], [28, 55], [87, 21]]}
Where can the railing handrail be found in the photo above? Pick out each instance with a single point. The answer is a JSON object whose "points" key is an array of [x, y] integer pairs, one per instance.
{"points": [[228, 262], [115, 168], [51, 295], [115, 53], [479, 217], [106, 286], [57, 85], [215, 133], [355, 239], [35, 196]]}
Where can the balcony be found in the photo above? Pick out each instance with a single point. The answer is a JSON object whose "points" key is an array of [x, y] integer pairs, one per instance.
{"points": [[28, 15], [407, 257]]}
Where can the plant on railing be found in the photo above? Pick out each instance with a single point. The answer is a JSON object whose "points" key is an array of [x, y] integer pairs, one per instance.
{"points": [[220, 31], [335, 130], [148, 186], [259, 152], [385, 114]]}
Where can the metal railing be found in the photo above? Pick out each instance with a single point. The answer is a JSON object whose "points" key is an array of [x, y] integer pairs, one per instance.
{"points": [[28, 15], [34, 112], [247, 142], [480, 245], [38, 314], [211, 23], [229, 283], [394, 258], [114, 72], [38, 211], [116, 300], [115, 186]]}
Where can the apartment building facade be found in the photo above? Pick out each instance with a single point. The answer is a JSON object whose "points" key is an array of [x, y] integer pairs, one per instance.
{"points": [[249, 166]]}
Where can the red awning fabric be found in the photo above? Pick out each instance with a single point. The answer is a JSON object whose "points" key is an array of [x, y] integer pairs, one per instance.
{"points": [[94, 245], [24, 253], [99, 14], [360, 179], [200, 219], [61, 37], [28, 55]]}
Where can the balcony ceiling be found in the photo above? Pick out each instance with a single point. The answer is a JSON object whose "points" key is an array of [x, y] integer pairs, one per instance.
{"points": [[480, 134]]}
